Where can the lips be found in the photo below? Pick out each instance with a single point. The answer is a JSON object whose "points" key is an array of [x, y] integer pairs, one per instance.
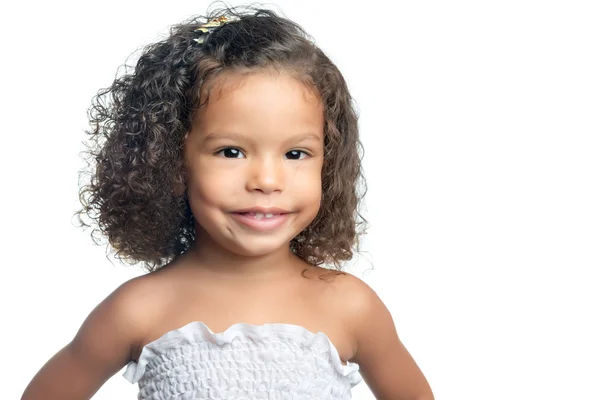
{"points": [[258, 215], [261, 219], [262, 210]]}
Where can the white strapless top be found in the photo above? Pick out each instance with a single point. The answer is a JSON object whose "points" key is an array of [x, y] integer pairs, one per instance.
{"points": [[271, 361]]}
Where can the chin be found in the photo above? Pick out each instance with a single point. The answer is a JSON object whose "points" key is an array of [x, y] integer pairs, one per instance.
{"points": [[258, 248]]}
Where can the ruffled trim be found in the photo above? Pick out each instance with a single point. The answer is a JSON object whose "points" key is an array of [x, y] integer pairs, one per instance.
{"points": [[196, 332]]}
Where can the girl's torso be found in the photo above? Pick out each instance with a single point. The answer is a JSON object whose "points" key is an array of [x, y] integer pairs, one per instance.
{"points": [[196, 314], [186, 296]]}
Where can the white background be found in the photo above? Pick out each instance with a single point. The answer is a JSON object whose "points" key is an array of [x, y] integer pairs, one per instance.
{"points": [[481, 124]]}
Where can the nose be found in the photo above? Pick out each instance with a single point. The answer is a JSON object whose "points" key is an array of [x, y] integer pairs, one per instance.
{"points": [[266, 174]]}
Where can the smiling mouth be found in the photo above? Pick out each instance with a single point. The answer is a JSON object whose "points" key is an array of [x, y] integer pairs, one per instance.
{"points": [[259, 221], [257, 215]]}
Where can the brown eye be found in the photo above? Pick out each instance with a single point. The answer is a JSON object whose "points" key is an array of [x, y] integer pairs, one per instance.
{"points": [[296, 154], [231, 152]]}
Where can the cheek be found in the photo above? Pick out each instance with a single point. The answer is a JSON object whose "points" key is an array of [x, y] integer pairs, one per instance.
{"points": [[211, 188], [206, 194], [307, 184]]}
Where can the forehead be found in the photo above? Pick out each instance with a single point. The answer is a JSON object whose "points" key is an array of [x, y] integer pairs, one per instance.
{"points": [[260, 102]]}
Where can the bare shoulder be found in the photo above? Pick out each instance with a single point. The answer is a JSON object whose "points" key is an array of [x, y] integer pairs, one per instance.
{"points": [[142, 301], [386, 365], [350, 298], [366, 310], [361, 308], [128, 311], [101, 347], [349, 291]]}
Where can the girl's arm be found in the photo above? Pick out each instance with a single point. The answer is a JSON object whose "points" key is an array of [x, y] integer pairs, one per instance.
{"points": [[385, 364], [100, 349]]}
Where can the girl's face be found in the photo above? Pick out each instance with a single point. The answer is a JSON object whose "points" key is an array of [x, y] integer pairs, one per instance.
{"points": [[254, 157]]}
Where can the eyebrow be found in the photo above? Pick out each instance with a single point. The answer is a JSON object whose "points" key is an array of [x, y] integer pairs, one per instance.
{"points": [[229, 135]]}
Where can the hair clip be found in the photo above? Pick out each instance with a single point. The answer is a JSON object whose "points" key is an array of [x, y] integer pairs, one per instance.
{"points": [[207, 28]]}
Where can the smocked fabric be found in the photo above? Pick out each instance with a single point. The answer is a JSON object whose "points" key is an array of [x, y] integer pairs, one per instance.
{"points": [[270, 361]]}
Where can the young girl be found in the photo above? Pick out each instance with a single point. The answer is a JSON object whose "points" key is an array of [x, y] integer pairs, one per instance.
{"points": [[228, 164]]}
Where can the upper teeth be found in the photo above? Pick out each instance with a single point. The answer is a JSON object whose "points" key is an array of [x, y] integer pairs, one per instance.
{"points": [[261, 215]]}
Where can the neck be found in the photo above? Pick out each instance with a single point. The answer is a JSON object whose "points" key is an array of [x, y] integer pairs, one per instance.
{"points": [[220, 262]]}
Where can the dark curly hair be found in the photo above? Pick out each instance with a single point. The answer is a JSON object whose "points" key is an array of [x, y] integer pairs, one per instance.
{"points": [[138, 124]]}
